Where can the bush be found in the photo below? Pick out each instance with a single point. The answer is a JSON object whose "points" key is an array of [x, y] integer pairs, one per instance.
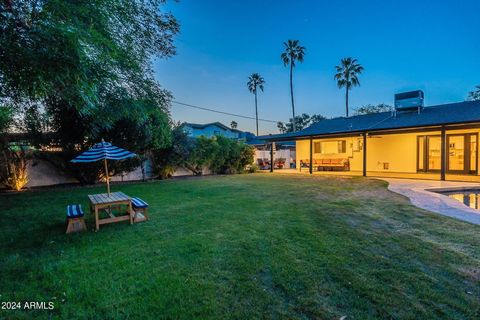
{"points": [[17, 174], [219, 154], [252, 168], [166, 172], [166, 160], [223, 155], [13, 168]]}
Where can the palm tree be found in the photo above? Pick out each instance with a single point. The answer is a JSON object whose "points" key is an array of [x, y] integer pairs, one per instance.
{"points": [[255, 81], [347, 76], [293, 52]]}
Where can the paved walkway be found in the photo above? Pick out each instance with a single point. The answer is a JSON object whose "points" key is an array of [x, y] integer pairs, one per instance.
{"points": [[416, 191]]}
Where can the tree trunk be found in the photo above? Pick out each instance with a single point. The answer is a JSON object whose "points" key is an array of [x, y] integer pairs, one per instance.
{"points": [[256, 109], [346, 100], [291, 95]]}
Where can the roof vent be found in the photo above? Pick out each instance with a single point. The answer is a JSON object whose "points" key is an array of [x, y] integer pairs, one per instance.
{"points": [[411, 100]]}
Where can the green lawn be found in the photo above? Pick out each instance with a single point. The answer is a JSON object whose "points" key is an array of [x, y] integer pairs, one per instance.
{"points": [[244, 246]]}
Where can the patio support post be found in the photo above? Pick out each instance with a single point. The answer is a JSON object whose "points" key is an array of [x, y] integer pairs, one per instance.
{"points": [[310, 169], [271, 156], [443, 154], [365, 154]]}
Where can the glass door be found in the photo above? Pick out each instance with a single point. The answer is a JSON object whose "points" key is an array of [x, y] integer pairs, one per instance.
{"points": [[456, 153], [434, 150], [429, 149], [462, 153], [473, 153]]}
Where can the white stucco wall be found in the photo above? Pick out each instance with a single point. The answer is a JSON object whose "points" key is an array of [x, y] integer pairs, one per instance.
{"points": [[41, 173]]}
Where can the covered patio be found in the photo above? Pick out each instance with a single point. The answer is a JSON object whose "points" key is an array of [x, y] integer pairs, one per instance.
{"points": [[431, 143]]}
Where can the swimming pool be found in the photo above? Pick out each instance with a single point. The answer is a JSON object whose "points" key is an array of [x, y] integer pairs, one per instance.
{"points": [[470, 198]]}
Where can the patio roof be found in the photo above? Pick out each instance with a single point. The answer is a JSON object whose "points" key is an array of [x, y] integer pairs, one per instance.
{"points": [[445, 114]]}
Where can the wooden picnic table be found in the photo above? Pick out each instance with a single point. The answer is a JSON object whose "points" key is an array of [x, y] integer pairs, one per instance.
{"points": [[105, 201]]}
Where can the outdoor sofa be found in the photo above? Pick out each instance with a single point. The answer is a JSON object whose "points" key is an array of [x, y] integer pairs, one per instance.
{"points": [[335, 164]]}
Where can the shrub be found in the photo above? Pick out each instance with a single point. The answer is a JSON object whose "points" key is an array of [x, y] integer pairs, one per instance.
{"points": [[219, 154], [14, 169], [18, 177], [166, 172], [228, 156]]}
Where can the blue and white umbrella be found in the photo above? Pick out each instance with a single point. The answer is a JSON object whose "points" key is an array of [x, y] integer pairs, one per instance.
{"points": [[104, 151]]}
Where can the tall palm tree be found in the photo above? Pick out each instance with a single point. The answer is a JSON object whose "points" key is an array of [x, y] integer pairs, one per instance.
{"points": [[293, 52], [347, 76], [255, 81]]}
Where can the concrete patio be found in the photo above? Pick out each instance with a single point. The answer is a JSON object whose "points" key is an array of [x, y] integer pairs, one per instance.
{"points": [[420, 194]]}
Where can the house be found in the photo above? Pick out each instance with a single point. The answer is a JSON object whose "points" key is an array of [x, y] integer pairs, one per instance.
{"points": [[209, 130], [436, 142]]}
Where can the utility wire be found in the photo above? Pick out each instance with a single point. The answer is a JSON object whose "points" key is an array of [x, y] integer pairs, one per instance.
{"points": [[222, 112]]}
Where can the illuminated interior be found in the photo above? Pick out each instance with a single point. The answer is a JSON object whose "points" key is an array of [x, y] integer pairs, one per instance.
{"points": [[413, 154]]}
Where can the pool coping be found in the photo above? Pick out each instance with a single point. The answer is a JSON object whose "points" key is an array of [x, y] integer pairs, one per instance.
{"points": [[423, 194]]}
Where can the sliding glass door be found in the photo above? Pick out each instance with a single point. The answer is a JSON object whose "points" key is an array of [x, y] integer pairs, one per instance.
{"points": [[462, 153], [429, 153]]}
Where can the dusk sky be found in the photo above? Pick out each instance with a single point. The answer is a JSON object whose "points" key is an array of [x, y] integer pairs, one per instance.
{"points": [[403, 45]]}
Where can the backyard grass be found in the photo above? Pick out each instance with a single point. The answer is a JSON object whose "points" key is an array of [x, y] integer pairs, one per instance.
{"points": [[244, 246]]}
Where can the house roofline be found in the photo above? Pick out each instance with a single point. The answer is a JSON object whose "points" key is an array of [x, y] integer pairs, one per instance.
{"points": [[406, 129], [202, 126]]}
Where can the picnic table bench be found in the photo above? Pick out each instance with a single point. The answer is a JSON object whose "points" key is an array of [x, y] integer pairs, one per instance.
{"points": [[106, 201]]}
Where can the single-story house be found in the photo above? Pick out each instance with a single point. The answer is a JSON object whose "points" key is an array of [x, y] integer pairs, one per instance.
{"points": [[413, 141]]}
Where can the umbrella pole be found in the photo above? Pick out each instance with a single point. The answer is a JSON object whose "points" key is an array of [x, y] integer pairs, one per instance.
{"points": [[106, 175]]}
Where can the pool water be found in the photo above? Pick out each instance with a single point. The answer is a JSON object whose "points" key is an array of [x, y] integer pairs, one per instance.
{"points": [[470, 198]]}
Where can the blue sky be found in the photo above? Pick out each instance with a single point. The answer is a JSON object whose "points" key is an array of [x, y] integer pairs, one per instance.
{"points": [[403, 45]]}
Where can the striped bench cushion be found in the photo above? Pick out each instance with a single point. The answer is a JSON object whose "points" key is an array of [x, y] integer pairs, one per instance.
{"points": [[138, 203], [74, 211]]}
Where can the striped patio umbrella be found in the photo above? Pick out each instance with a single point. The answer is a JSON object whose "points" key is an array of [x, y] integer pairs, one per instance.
{"points": [[104, 151]]}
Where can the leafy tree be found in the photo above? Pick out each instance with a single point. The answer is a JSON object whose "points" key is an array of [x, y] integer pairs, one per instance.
{"points": [[5, 118], [255, 81], [347, 76], [166, 160], [302, 122], [87, 65], [233, 124], [219, 154], [370, 108], [293, 52], [229, 156], [475, 94]]}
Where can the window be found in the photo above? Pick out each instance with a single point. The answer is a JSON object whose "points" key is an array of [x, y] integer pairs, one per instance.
{"points": [[330, 147]]}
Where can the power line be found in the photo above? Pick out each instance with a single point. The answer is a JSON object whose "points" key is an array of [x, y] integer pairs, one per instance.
{"points": [[222, 112]]}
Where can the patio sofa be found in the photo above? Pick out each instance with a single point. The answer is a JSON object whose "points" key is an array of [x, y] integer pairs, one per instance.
{"points": [[263, 164], [279, 163], [336, 164]]}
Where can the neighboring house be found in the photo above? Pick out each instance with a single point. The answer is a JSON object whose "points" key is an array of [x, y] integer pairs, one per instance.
{"points": [[209, 130], [436, 142]]}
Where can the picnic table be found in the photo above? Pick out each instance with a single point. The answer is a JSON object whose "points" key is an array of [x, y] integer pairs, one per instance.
{"points": [[105, 201]]}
